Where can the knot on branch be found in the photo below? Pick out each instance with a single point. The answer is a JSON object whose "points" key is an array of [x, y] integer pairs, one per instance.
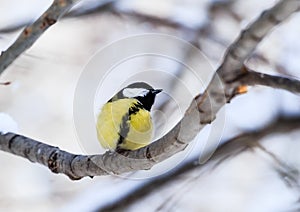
{"points": [[27, 31], [47, 21], [52, 161], [237, 85]]}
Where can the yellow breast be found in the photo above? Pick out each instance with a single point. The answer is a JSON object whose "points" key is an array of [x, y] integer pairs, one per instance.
{"points": [[113, 117]]}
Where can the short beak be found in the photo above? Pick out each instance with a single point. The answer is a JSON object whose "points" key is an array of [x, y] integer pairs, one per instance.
{"points": [[156, 91]]}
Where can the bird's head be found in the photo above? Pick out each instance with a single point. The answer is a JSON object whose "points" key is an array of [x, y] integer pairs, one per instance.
{"points": [[140, 91]]}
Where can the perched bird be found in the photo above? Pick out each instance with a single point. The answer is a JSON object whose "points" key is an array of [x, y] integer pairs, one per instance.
{"points": [[124, 122]]}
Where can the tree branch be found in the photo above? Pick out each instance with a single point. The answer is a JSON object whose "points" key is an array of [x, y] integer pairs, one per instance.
{"points": [[201, 112], [247, 41], [287, 173], [73, 12], [78, 166], [225, 151], [31, 33], [232, 67], [255, 78]]}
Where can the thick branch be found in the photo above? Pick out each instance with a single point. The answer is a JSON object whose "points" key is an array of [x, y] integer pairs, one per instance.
{"points": [[74, 166], [202, 111], [31, 33], [232, 66], [227, 150], [246, 43], [78, 166]]}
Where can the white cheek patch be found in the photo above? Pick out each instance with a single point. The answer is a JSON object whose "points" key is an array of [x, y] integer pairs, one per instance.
{"points": [[134, 92]]}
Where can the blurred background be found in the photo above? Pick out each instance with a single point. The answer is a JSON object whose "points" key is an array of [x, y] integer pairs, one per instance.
{"points": [[38, 103]]}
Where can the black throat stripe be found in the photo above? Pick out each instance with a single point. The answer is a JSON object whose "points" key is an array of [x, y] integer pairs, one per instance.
{"points": [[135, 108], [124, 128]]}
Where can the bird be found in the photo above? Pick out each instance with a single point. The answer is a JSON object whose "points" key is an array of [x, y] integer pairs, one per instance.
{"points": [[124, 122]]}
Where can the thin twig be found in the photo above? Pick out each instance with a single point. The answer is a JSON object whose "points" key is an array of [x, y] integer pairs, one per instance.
{"points": [[288, 174], [279, 82], [5, 83]]}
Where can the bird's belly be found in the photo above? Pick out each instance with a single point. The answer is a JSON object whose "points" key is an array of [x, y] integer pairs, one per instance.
{"points": [[140, 131], [110, 121]]}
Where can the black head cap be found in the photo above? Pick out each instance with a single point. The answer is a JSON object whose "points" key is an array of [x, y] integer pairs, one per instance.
{"points": [[139, 85], [146, 98]]}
